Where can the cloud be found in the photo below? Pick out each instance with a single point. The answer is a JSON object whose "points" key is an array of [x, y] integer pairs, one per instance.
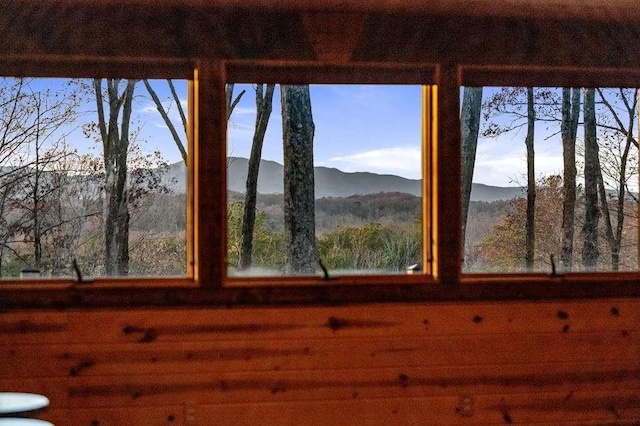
{"points": [[511, 168], [239, 110], [401, 161], [169, 106], [502, 161]]}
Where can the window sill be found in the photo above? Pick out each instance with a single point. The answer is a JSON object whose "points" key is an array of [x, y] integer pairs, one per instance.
{"points": [[97, 283], [175, 293]]}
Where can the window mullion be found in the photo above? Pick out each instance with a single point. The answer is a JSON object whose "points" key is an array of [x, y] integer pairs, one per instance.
{"points": [[210, 174], [449, 179]]}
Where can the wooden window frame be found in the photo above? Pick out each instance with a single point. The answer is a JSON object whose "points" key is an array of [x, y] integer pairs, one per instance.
{"points": [[86, 68], [208, 196], [289, 72], [628, 282]]}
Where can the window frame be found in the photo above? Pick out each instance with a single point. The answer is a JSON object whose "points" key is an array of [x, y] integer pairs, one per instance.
{"points": [[292, 72], [207, 287], [87, 68], [536, 76]]}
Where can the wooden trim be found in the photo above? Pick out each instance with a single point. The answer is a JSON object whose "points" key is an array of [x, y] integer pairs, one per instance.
{"points": [[431, 185], [210, 169], [306, 72], [29, 285], [333, 281], [492, 288], [449, 177], [521, 76], [191, 177], [76, 66]]}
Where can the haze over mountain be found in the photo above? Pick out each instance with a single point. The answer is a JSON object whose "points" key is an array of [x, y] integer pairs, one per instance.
{"points": [[330, 182]]}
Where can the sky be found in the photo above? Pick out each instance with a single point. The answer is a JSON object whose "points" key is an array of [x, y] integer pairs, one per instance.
{"points": [[372, 128], [378, 129], [357, 128], [149, 131]]}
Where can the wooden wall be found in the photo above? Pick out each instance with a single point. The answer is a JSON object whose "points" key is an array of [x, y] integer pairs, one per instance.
{"points": [[447, 363], [413, 363]]}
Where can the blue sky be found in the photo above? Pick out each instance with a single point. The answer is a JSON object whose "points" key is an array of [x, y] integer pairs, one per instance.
{"points": [[358, 128], [151, 132], [378, 129]]}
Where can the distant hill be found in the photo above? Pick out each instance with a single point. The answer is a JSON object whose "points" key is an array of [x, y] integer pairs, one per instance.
{"points": [[330, 182]]}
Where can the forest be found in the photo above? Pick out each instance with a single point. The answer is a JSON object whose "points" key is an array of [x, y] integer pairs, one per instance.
{"points": [[583, 215], [86, 185]]}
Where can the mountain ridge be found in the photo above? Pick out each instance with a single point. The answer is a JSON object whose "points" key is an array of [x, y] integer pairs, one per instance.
{"points": [[330, 182]]}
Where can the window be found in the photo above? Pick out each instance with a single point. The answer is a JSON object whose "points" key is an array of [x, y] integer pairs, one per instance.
{"points": [[358, 149], [94, 177], [553, 176], [365, 206], [214, 193]]}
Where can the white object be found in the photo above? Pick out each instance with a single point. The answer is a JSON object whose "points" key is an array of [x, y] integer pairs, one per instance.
{"points": [[7, 421], [17, 402]]}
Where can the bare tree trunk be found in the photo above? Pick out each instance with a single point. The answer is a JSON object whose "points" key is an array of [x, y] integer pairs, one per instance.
{"points": [[615, 241], [591, 214], [115, 141], [37, 241], [299, 182], [530, 234], [470, 127], [263, 112], [569, 129]]}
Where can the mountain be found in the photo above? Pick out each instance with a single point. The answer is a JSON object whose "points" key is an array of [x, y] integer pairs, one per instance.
{"points": [[330, 182], [482, 192]]}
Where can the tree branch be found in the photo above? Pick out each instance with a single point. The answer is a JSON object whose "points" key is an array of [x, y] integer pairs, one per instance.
{"points": [[165, 117]]}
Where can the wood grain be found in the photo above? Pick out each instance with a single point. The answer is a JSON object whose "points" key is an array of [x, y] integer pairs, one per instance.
{"points": [[417, 320], [403, 362]]}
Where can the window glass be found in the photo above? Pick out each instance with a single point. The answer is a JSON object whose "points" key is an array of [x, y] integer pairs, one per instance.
{"points": [[339, 179], [553, 179], [91, 175]]}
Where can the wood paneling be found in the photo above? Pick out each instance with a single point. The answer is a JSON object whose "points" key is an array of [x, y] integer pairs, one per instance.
{"points": [[309, 354], [491, 409], [192, 31], [447, 363], [544, 362]]}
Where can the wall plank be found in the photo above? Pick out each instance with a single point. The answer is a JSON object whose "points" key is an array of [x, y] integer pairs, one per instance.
{"points": [[38, 328], [347, 384], [166, 415], [551, 408], [173, 325], [536, 362], [307, 354]]}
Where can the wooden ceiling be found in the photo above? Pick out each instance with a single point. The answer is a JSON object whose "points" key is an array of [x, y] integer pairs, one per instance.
{"points": [[567, 9], [596, 33]]}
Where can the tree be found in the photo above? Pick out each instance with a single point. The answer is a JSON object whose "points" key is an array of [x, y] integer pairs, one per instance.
{"points": [[568, 131], [530, 231], [268, 248], [50, 114], [18, 126], [163, 110], [72, 208], [34, 121], [591, 214], [504, 249], [299, 199], [618, 140], [470, 127], [114, 134], [263, 112], [164, 113]]}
